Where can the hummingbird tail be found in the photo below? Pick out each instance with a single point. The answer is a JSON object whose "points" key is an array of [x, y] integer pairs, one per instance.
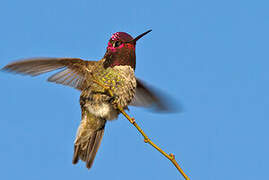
{"points": [[88, 153], [89, 137]]}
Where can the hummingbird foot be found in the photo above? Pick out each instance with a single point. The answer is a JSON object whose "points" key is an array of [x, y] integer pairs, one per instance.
{"points": [[112, 100]]}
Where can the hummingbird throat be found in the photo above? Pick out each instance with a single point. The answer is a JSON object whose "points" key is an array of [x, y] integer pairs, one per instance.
{"points": [[120, 56]]}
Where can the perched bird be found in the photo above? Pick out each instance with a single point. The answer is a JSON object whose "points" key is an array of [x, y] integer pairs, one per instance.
{"points": [[115, 70]]}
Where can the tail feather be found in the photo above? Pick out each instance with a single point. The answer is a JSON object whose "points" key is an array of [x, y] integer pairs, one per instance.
{"points": [[95, 147], [86, 151], [76, 154]]}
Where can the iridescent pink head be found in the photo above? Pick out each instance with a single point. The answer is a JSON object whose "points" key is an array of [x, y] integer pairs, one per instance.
{"points": [[121, 36], [121, 50]]}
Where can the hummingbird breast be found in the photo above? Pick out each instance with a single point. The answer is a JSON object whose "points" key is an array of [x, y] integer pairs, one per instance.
{"points": [[121, 80]]}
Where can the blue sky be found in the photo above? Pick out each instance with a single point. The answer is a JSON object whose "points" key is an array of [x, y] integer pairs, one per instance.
{"points": [[211, 56]]}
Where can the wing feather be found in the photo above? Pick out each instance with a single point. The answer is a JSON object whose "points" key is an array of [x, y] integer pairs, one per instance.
{"points": [[75, 71], [151, 98]]}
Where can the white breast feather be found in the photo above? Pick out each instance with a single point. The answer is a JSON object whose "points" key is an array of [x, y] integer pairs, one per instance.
{"points": [[103, 110]]}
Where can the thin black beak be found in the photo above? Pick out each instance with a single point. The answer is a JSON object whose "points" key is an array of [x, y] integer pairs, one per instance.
{"points": [[140, 36]]}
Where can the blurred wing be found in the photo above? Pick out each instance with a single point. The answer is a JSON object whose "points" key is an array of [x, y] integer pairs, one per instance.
{"points": [[73, 74], [149, 98]]}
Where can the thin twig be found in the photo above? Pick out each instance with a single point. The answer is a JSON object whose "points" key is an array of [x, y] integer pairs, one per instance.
{"points": [[171, 156]]}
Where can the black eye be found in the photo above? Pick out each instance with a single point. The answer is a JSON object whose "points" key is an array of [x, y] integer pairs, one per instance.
{"points": [[117, 44]]}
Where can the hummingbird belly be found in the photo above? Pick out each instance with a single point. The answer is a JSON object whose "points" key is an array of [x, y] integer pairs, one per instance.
{"points": [[103, 110]]}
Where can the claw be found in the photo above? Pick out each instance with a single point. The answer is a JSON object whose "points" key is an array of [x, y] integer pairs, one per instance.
{"points": [[111, 99]]}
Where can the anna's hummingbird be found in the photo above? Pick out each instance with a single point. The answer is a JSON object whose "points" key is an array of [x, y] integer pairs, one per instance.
{"points": [[115, 70]]}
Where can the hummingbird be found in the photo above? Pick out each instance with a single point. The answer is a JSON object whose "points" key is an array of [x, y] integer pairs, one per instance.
{"points": [[115, 70]]}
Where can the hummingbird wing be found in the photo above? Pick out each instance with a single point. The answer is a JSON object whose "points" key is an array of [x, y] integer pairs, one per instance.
{"points": [[151, 98], [74, 71]]}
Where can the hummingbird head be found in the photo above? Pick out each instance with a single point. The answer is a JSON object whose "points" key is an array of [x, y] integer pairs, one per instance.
{"points": [[121, 50]]}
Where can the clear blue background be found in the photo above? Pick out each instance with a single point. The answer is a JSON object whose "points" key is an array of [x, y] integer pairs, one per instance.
{"points": [[212, 56]]}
